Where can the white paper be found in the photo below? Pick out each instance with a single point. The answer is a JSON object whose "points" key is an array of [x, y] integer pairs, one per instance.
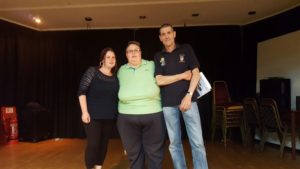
{"points": [[203, 86]]}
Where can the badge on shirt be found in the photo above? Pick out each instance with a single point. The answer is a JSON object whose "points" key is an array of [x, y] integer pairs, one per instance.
{"points": [[162, 61], [181, 58]]}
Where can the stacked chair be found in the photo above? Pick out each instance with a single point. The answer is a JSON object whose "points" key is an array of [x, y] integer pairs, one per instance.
{"points": [[252, 119], [272, 123], [225, 113]]}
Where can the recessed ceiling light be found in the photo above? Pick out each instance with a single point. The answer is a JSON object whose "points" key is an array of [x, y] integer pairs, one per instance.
{"points": [[195, 14], [251, 12], [87, 18], [142, 17], [37, 20]]}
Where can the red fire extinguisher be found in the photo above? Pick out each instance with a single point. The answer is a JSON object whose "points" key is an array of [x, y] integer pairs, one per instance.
{"points": [[9, 118], [13, 131]]}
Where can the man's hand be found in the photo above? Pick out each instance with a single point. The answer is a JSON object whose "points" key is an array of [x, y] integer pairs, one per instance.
{"points": [[186, 103]]}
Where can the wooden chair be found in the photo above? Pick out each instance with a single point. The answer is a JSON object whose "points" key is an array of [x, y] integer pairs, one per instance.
{"points": [[272, 123], [225, 113], [252, 119]]}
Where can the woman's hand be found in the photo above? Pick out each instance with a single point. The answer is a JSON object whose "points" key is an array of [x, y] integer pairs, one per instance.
{"points": [[85, 117]]}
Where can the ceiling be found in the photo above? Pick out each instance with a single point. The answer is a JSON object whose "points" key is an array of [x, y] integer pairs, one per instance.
{"points": [[115, 14]]}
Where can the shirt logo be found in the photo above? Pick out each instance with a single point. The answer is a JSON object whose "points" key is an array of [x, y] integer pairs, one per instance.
{"points": [[181, 58], [162, 61]]}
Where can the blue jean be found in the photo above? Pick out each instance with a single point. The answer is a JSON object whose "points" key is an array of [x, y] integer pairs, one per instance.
{"points": [[193, 127]]}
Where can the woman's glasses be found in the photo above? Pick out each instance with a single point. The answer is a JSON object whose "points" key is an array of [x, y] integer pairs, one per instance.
{"points": [[133, 51]]}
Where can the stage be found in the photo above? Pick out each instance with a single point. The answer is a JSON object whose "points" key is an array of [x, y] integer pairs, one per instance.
{"points": [[69, 154]]}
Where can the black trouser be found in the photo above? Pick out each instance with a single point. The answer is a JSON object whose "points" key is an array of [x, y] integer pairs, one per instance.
{"points": [[97, 133], [143, 137]]}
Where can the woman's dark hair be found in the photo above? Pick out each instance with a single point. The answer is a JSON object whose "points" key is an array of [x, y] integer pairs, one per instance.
{"points": [[102, 56]]}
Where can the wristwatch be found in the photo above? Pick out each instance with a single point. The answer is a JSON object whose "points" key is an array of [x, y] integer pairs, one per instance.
{"points": [[189, 93]]}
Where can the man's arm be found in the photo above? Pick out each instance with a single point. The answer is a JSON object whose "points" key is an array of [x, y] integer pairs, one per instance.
{"points": [[186, 102], [194, 80], [165, 80]]}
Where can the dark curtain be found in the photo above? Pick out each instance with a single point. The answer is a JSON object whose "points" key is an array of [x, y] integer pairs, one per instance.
{"points": [[8, 61], [46, 67]]}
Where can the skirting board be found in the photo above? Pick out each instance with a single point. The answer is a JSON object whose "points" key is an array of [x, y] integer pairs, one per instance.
{"points": [[273, 138]]}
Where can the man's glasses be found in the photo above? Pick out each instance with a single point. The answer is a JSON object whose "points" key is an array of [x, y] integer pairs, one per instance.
{"points": [[133, 51]]}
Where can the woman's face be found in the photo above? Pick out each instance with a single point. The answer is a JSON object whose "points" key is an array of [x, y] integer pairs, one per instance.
{"points": [[109, 60], [134, 55]]}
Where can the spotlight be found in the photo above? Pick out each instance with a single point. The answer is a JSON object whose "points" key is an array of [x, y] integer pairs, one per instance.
{"points": [[37, 20], [251, 12], [88, 19], [142, 17]]}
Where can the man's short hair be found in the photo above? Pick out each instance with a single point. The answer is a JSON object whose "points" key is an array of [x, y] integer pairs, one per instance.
{"points": [[165, 25]]}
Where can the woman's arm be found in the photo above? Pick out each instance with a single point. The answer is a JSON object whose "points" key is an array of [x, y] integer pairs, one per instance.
{"points": [[85, 116]]}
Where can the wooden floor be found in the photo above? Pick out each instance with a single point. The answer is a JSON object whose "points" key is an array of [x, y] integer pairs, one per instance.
{"points": [[68, 154]]}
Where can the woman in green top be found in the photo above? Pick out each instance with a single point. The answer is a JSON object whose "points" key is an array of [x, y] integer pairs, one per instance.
{"points": [[140, 121]]}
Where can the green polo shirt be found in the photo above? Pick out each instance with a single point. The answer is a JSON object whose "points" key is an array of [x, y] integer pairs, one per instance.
{"points": [[138, 93]]}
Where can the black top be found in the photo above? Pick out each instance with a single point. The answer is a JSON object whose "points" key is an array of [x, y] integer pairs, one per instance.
{"points": [[101, 92], [181, 59]]}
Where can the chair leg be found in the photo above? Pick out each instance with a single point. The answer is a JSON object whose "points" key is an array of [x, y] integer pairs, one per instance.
{"points": [[263, 140], [251, 136], [213, 126], [245, 134], [213, 130], [247, 137], [260, 131], [224, 129], [282, 145]]}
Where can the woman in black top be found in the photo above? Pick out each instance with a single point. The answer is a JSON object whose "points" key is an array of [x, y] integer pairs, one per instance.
{"points": [[98, 98]]}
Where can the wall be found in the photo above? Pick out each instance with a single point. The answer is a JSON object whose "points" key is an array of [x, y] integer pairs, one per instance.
{"points": [[280, 57], [268, 28], [276, 28]]}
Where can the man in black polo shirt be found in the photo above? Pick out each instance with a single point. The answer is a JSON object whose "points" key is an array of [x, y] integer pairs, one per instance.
{"points": [[177, 72]]}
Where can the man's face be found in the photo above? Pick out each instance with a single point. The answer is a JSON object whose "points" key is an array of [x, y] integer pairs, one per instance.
{"points": [[167, 36]]}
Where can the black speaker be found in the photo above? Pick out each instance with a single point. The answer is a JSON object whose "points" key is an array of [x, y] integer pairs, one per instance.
{"points": [[35, 123], [279, 89], [298, 103]]}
